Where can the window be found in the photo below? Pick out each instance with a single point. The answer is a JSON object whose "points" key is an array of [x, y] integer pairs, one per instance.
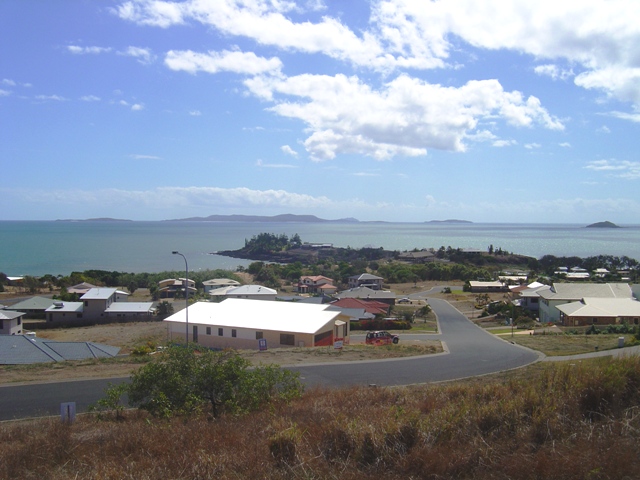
{"points": [[208, 330], [19, 321], [259, 335], [86, 303], [287, 339], [233, 332], [220, 332]]}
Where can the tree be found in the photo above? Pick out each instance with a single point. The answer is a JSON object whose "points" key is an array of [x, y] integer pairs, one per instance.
{"points": [[165, 308], [185, 379]]}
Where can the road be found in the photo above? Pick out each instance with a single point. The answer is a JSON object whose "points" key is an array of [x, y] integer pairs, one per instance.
{"points": [[471, 352]]}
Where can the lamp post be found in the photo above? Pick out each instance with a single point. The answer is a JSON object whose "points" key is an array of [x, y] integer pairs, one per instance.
{"points": [[186, 295]]}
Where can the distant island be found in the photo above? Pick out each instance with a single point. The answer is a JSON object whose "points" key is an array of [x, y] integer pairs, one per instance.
{"points": [[449, 221], [284, 218], [603, 225], [102, 219]]}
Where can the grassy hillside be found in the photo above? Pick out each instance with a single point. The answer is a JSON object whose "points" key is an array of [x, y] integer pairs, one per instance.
{"points": [[564, 421]]}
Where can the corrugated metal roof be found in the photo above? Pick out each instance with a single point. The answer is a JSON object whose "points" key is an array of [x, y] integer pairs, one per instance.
{"points": [[98, 294], [33, 303], [129, 307], [21, 350], [258, 315]]}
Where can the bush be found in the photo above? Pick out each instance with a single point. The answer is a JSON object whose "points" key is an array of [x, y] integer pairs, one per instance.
{"points": [[381, 325], [182, 380]]}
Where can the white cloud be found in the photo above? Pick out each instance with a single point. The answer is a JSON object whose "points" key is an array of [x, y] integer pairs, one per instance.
{"points": [[365, 174], [137, 107], [601, 37], [604, 129], [8, 82], [504, 143], [152, 12], [90, 98], [404, 118], [143, 55], [78, 50], [260, 163], [288, 150], [195, 113], [226, 61], [57, 98], [144, 157], [4, 93], [633, 117], [616, 168], [553, 71], [531, 146], [565, 144]]}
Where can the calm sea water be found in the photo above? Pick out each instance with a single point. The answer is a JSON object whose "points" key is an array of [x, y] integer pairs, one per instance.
{"points": [[38, 248]]}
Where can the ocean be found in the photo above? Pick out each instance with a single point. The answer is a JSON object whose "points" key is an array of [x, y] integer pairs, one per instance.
{"points": [[62, 247]]}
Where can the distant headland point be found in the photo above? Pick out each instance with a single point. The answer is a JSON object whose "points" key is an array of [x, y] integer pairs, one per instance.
{"points": [[605, 224]]}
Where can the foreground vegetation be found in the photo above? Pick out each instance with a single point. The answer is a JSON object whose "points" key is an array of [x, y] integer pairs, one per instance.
{"points": [[561, 421]]}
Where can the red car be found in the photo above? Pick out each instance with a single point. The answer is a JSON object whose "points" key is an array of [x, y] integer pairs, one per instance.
{"points": [[381, 338]]}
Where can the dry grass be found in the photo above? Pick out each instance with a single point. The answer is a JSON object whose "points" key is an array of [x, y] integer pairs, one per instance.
{"points": [[562, 422], [560, 345]]}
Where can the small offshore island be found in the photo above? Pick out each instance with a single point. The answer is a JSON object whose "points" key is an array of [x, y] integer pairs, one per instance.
{"points": [[605, 224]]}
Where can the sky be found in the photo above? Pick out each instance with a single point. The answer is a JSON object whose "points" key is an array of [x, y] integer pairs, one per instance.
{"points": [[392, 110]]}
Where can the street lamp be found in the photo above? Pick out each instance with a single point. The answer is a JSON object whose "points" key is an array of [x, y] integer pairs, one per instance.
{"points": [[186, 294]]}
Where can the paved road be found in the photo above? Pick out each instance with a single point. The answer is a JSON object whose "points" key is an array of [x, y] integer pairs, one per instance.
{"points": [[471, 352]]}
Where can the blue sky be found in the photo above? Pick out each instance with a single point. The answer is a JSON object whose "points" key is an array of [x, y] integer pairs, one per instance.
{"points": [[396, 110]]}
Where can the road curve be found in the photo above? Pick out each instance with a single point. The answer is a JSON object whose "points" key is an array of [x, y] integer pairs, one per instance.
{"points": [[472, 351]]}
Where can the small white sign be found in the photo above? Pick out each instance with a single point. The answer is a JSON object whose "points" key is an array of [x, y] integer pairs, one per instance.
{"points": [[338, 343]]}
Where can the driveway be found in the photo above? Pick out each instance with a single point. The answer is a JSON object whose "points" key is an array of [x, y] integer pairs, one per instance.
{"points": [[470, 351]]}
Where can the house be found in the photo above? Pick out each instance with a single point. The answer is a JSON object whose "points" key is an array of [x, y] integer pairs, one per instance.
{"points": [[600, 311], [21, 350], [529, 297], [366, 293], [65, 312], [372, 307], [81, 288], [168, 287], [251, 292], [366, 280], [10, 322], [421, 256], [317, 284], [561, 293], [497, 286], [99, 305], [219, 283], [243, 324], [33, 307]]}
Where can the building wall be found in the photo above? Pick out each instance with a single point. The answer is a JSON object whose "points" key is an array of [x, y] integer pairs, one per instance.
{"points": [[11, 327]]}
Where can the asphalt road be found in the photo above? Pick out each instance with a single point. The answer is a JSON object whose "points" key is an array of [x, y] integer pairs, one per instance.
{"points": [[471, 352]]}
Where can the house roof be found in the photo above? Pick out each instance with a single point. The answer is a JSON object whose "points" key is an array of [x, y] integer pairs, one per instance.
{"points": [[371, 306], [130, 307], [366, 276], [576, 291], [10, 315], [66, 307], [252, 290], [220, 282], [81, 288], [33, 303], [602, 307], [101, 293], [316, 278], [496, 283], [20, 349], [258, 315], [366, 292]]}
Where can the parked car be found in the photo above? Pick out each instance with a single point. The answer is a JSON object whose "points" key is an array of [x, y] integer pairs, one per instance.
{"points": [[404, 300], [381, 338]]}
